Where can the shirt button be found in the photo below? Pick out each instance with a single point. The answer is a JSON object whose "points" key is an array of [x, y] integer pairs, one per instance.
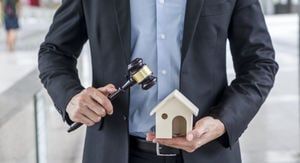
{"points": [[124, 118], [164, 72], [161, 1], [162, 36]]}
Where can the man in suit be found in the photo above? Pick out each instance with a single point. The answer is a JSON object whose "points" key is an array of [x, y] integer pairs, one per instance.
{"points": [[184, 43]]}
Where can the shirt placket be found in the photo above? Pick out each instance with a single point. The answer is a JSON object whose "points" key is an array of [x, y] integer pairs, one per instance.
{"points": [[162, 56]]}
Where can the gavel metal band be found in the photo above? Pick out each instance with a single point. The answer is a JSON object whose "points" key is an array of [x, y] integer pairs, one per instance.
{"points": [[142, 74]]}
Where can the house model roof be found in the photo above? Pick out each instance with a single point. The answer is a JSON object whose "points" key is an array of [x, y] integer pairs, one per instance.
{"points": [[180, 97]]}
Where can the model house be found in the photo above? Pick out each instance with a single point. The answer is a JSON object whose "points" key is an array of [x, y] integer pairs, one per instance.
{"points": [[174, 116]]}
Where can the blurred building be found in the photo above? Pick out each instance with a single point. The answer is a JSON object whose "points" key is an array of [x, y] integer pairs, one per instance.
{"points": [[279, 6]]}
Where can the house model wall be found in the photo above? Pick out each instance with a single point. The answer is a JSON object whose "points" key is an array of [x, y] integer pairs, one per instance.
{"points": [[174, 116]]}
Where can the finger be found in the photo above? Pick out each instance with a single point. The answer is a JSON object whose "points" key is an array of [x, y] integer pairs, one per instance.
{"points": [[110, 86], [108, 89], [150, 136], [95, 107], [102, 100], [171, 144], [174, 142], [180, 143], [85, 120], [90, 115], [205, 138], [196, 133]]}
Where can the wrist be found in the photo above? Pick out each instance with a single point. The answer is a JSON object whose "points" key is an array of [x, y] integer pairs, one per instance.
{"points": [[220, 127]]}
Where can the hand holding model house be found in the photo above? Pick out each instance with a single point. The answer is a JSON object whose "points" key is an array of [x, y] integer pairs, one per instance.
{"points": [[174, 121]]}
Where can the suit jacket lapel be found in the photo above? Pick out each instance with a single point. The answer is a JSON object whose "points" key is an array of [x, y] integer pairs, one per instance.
{"points": [[122, 11], [193, 10], [123, 21]]}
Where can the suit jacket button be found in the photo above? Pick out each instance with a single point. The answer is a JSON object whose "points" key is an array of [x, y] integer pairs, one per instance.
{"points": [[124, 117]]}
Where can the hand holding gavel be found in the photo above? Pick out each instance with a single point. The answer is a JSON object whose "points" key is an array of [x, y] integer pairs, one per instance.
{"points": [[91, 105]]}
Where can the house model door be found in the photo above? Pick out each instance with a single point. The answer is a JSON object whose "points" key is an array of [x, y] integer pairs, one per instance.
{"points": [[179, 126]]}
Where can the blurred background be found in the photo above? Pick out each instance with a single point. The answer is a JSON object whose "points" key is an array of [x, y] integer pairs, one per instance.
{"points": [[31, 130]]}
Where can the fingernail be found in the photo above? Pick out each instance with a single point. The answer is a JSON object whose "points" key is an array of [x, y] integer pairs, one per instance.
{"points": [[189, 137], [112, 90]]}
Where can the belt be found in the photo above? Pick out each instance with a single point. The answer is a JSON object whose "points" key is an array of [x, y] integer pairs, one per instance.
{"points": [[149, 147]]}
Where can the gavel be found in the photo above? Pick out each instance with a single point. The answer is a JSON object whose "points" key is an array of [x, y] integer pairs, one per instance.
{"points": [[138, 73]]}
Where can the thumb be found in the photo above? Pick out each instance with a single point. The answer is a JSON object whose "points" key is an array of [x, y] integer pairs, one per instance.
{"points": [[108, 89], [196, 133], [190, 136]]}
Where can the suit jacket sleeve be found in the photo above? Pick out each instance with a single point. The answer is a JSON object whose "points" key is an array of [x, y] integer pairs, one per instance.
{"points": [[59, 52], [255, 67]]}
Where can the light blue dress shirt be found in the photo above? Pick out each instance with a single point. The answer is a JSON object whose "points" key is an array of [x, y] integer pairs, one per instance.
{"points": [[157, 31]]}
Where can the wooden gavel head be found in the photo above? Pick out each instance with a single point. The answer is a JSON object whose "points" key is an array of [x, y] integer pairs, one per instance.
{"points": [[141, 74]]}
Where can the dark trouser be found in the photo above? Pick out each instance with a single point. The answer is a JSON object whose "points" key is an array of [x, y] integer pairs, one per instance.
{"points": [[144, 152]]}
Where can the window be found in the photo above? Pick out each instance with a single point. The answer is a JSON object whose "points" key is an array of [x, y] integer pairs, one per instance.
{"points": [[164, 116]]}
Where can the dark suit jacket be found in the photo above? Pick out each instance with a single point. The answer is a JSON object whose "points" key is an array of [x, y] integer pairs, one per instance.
{"points": [[208, 25]]}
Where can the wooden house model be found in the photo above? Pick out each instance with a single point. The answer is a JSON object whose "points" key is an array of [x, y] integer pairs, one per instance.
{"points": [[174, 116]]}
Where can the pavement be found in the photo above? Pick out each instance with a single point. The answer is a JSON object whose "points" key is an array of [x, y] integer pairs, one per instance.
{"points": [[20, 64], [34, 24], [272, 137], [58, 146]]}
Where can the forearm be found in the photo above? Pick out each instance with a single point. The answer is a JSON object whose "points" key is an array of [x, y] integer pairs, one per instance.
{"points": [[59, 75], [255, 66], [59, 52]]}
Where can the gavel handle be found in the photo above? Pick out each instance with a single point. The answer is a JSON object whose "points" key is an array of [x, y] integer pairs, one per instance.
{"points": [[74, 127], [110, 97], [113, 96]]}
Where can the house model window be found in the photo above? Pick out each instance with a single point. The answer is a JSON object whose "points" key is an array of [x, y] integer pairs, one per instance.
{"points": [[174, 116], [164, 116]]}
